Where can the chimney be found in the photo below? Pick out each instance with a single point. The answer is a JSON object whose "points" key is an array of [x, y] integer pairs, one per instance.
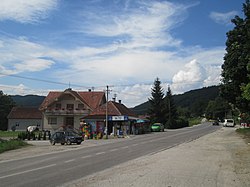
{"points": [[114, 99], [89, 90], [120, 101]]}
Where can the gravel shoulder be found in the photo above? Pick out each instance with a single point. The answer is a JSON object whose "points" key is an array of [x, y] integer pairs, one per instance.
{"points": [[217, 159]]}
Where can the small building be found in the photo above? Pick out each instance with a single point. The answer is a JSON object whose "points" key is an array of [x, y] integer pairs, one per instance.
{"points": [[20, 118], [120, 119], [65, 108]]}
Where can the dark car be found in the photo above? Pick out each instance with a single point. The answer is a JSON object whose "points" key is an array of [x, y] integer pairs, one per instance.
{"points": [[216, 122], [67, 137]]}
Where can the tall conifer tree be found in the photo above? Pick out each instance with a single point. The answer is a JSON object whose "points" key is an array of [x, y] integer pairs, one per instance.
{"points": [[156, 110], [171, 110]]}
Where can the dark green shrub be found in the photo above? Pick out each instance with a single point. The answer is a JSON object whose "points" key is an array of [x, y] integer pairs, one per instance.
{"points": [[22, 135], [176, 124], [39, 136], [44, 135]]}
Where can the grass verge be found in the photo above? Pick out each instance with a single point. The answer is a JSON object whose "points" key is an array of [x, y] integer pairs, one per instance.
{"points": [[194, 121], [6, 145], [245, 132], [12, 134]]}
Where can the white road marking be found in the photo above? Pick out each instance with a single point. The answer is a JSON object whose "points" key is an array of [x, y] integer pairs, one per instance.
{"points": [[67, 161], [87, 156], [125, 147], [100, 153], [27, 171], [134, 144], [112, 150]]}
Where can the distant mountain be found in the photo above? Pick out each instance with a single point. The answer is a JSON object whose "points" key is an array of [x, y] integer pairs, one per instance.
{"points": [[198, 98], [28, 100]]}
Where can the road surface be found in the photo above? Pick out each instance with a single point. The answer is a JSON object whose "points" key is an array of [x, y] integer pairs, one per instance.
{"points": [[58, 168]]}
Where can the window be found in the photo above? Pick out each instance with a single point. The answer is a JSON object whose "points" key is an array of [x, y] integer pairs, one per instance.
{"points": [[70, 106], [80, 106], [58, 106], [52, 121]]}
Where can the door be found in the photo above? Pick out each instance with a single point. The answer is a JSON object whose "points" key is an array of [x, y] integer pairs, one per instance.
{"points": [[69, 121]]}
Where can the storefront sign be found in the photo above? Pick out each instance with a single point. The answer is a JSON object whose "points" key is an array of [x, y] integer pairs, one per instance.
{"points": [[118, 118]]}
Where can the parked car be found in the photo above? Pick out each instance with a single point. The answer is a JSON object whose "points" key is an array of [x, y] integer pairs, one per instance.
{"points": [[228, 123], [67, 137], [157, 127]]}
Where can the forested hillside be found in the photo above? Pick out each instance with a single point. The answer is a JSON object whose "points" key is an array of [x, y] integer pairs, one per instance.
{"points": [[28, 100], [195, 101]]}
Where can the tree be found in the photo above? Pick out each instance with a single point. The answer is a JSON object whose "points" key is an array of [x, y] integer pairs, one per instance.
{"points": [[217, 108], [157, 107], [235, 74], [246, 89], [6, 104], [171, 110]]}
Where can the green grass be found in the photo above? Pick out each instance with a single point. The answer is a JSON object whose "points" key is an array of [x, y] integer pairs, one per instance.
{"points": [[11, 134], [194, 121], [6, 145], [244, 131]]}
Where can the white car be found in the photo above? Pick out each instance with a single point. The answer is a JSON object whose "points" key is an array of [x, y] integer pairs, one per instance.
{"points": [[228, 123]]}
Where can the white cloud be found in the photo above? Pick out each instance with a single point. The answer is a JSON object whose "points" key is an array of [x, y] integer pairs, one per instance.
{"points": [[26, 11], [13, 89], [146, 26], [223, 18], [195, 75], [20, 55]]}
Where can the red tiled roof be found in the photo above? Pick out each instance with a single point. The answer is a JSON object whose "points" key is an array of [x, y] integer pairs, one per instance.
{"points": [[25, 113], [92, 99], [114, 109]]}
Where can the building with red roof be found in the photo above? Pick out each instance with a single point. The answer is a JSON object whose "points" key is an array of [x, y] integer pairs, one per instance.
{"points": [[20, 118], [120, 118], [67, 107]]}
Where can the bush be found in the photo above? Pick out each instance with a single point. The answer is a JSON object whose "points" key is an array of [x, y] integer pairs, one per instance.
{"points": [[176, 124], [22, 136]]}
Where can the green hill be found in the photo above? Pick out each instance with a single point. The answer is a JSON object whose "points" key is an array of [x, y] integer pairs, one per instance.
{"points": [[28, 100], [194, 101]]}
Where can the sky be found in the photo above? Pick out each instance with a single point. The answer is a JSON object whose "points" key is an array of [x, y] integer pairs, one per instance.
{"points": [[51, 45]]}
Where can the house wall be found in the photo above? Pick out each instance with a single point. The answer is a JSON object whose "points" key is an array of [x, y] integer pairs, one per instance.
{"points": [[60, 122], [62, 113], [22, 124]]}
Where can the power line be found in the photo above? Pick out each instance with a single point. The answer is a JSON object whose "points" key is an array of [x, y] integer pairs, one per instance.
{"points": [[43, 80]]}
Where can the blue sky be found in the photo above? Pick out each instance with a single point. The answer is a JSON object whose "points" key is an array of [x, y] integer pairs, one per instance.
{"points": [[125, 44]]}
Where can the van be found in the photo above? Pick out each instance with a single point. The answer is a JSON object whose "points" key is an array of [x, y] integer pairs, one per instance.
{"points": [[228, 123]]}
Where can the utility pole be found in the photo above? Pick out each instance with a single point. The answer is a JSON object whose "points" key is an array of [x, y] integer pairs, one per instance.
{"points": [[107, 90]]}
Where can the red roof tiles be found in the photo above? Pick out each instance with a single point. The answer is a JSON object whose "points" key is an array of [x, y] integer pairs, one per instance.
{"points": [[92, 99], [25, 113], [114, 109]]}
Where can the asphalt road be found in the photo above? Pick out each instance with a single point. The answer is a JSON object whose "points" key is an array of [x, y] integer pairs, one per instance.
{"points": [[58, 168]]}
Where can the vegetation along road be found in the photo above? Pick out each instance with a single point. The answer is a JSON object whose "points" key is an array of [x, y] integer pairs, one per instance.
{"points": [[63, 167]]}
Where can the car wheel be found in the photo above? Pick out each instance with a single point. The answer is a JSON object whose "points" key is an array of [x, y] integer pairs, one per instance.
{"points": [[78, 143], [62, 143], [53, 142], [68, 142]]}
